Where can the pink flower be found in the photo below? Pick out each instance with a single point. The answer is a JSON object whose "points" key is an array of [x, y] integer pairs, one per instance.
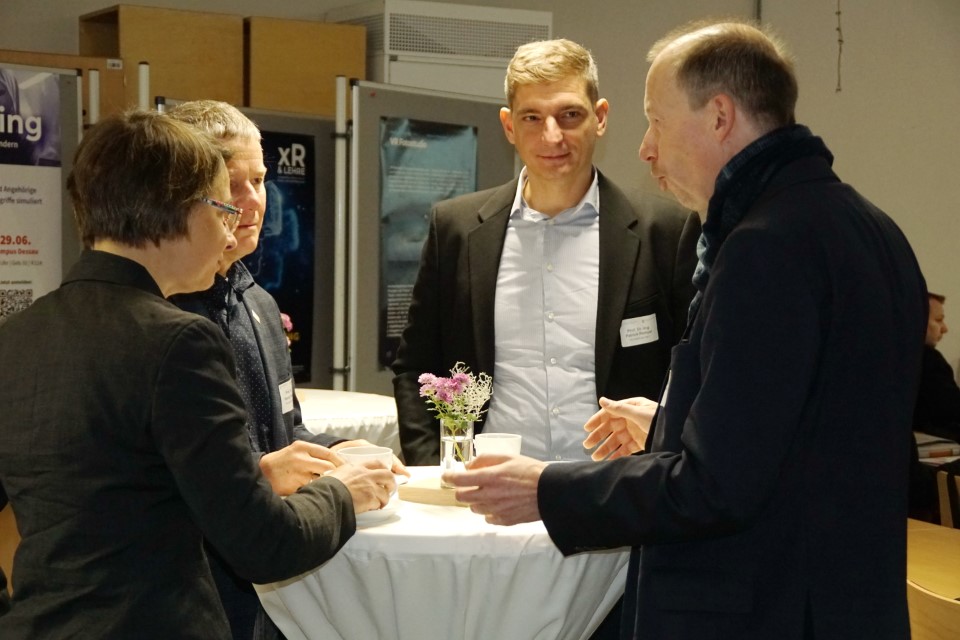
{"points": [[288, 329], [458, 399]]}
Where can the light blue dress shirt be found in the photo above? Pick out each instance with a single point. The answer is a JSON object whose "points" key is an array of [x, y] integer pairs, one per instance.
{"points": [[544, 386]]}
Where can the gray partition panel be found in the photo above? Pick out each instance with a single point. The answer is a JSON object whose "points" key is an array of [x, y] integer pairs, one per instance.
{"points": [[321, 131], [373, 102]]}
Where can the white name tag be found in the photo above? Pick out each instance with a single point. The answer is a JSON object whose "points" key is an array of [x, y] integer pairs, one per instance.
{"points": [[642, 330], [286, 396]]}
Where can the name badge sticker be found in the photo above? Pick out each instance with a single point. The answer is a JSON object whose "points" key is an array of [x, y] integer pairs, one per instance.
{"points": [[642, 330], [286, 396]]}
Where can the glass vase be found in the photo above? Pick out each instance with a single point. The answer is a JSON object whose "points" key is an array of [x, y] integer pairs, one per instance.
{"points": [[456, 446]]}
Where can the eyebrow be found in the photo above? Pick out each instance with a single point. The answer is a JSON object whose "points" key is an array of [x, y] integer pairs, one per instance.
{"points": [[573, 106]]}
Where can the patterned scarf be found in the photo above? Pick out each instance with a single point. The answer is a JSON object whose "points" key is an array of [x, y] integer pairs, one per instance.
{"points": [[741, 181]]}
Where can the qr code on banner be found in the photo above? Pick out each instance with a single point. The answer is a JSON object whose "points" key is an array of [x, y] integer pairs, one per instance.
{"points": [[13, 300]]}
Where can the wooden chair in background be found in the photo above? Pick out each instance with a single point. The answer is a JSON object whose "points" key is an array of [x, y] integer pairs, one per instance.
{"points": [[9, 540], [948, 488], [932, 616]]}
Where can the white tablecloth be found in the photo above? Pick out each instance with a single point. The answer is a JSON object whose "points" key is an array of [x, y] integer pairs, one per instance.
{"points": [[432, 572], [351, 415]]}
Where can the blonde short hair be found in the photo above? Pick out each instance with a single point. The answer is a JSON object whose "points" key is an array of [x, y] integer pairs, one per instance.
{"points": [[547, 61], [220, 120]]}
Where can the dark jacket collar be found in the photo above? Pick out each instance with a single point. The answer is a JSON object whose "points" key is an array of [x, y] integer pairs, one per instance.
{"points": [[102, 266]]}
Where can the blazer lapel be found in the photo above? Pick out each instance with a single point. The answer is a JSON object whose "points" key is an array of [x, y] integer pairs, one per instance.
{"points": [[484, 248], [619, 248]]}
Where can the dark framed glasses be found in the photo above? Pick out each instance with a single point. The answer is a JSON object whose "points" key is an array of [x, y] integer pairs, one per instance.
{"points": [[231, 214]]}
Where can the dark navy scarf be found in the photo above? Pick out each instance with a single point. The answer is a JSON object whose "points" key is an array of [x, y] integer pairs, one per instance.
{"points": [[740, 183]]}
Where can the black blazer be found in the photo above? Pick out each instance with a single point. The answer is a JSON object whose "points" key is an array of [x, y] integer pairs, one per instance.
{"points": [[122, 446], [647, 256], [774, 495]]}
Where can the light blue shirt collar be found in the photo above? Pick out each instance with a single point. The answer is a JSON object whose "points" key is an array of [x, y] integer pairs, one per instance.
{"points": [[589, 204]]}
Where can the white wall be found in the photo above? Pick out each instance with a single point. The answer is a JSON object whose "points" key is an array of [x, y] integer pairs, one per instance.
{"points": [[891, 127]]}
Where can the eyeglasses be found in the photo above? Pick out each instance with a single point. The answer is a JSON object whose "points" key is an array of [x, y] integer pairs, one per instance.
{"points": [[231, 214]]}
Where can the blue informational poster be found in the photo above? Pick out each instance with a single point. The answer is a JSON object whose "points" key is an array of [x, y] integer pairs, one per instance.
{"points": [[283, 263], [421, 163], [30, 187]]}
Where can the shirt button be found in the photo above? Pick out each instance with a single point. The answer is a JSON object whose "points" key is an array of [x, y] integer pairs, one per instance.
{"points": [[558, 457], [556, 411], [553, 361], [550, 316], [549, 267]]}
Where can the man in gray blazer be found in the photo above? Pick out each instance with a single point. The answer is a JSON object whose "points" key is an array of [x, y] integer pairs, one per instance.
{"points": [[283, 448], [558, 284]]}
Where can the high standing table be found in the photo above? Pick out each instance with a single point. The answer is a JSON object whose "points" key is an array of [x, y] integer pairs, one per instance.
{"points": [[430, 571], [351, 415]]}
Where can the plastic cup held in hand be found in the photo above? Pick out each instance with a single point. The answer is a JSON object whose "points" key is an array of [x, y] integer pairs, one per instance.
{"points": [[502, 443]]}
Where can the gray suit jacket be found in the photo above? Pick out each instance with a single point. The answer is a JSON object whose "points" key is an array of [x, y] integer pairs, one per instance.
{"points": [[275, 357], [647, 256], [122, 446]]}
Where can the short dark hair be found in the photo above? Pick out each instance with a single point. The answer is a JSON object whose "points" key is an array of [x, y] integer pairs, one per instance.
{"points": [[739, 59], [137, 175]]}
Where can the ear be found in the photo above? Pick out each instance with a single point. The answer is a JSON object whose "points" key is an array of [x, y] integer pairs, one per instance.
{"points": [[506, 121], [601, 110], [723, 113]]}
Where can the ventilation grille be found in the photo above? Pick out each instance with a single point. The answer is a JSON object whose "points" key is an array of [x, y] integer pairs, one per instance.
{"points": [[410, 33], [374, 25]]}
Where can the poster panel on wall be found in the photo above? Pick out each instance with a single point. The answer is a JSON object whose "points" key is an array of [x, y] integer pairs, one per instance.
{"points": [[420, 163], [30, 187], [283, 262]]}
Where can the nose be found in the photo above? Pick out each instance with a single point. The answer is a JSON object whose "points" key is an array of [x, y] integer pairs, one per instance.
{"points": [[247, 198], [230, 240], [943, 327], [552, 132], [648, 149]]}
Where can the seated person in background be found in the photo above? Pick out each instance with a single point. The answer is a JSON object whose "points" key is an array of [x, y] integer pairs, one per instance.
{"points": [[288, 454], [123, 441], [557, 283], [937, 411]]}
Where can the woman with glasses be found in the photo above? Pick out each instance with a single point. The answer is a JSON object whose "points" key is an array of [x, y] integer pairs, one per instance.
{"points": [[122, 433]]}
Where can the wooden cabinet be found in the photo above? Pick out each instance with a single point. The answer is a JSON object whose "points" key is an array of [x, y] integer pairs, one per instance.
{"points": [[191, 54], [292, 64]]}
